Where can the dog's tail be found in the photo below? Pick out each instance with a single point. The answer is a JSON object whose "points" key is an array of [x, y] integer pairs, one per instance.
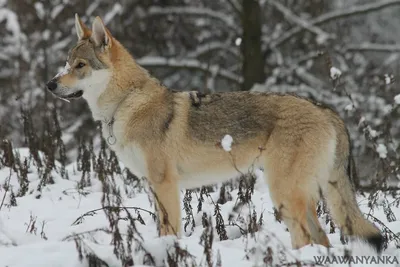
{"points": [[340, 196]]}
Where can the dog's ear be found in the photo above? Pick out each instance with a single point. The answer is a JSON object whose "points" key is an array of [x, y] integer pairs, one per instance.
{"points": [[100, 34], [81, 30]]}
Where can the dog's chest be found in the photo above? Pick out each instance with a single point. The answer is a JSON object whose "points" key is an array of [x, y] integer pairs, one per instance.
{"points": [[129, 154], [133, 158]]}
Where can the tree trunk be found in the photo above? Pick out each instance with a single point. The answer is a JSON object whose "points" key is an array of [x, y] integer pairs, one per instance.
{"points": [[253, 60]]}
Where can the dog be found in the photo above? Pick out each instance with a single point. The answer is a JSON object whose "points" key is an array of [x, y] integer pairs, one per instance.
{"points": [[185, 139]]}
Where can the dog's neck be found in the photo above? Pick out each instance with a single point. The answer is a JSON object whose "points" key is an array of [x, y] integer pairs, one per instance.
{"points": [[108, 88], [105, 104], [95, 94], [109, 120]]}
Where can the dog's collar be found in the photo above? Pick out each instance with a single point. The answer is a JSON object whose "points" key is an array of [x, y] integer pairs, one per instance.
{"points": [[111, 139]]}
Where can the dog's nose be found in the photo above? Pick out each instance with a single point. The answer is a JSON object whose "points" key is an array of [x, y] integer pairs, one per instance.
{"points": [[51, 85]]}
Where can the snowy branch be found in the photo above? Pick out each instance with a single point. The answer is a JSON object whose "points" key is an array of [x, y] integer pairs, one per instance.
{"points": [[116, 10], [189, 64], [309, 78], [339, 14], [10, 19], [317, 94], [209, 47], [195, 11], [291, 17], [235, 6], [370, 47]]}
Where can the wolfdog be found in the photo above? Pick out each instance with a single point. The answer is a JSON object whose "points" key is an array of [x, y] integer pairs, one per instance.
{"points": [[173, 138]]}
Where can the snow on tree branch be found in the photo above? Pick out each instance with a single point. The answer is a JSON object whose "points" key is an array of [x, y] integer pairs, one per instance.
{"points": [[235, 6], [189, 64], [116, 10], [209, 47], [196, 11], [309, 78], [389, 48], [322, 36], [327, 17], [11, 19]]}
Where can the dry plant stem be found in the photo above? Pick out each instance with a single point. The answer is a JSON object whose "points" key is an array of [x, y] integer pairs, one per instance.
{"points": [[7, 188], [92, 212]]}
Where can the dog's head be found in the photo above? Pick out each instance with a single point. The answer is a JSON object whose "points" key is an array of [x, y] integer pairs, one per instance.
{"points": [[88, 67]]}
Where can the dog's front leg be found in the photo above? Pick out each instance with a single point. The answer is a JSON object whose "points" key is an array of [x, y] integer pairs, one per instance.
{"points": [[166, 195]]}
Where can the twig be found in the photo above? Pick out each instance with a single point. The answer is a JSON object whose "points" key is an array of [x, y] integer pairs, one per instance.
{"points": [[74, 235], [93, 212], [7, 187], [395, 236]]}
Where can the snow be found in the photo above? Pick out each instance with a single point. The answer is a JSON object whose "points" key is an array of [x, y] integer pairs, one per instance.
{"points": [[362, 120], [92, 7], [64, 71], [40, 230], [46, 34], [373, 133], [116, 10], [397, 99], [335, 73], [56, 11], [238, 41], [322, 38], [388, 79], [40, 10], [349, 107], [226, 143], [382, 151], [12, 23]]}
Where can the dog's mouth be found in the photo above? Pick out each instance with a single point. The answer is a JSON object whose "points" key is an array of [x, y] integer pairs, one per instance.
{"points": [[75, 95], [69, 97]]}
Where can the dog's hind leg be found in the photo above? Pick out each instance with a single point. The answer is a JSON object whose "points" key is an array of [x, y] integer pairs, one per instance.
{"points": [[291, 200], [318, 235], [295, 168], [292, 208]]}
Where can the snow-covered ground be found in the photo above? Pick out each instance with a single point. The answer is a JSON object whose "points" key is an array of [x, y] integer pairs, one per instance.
{"points": [[42, 228]]}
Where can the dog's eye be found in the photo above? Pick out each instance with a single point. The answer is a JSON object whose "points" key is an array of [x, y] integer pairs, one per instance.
{"points": [[80, 65]]}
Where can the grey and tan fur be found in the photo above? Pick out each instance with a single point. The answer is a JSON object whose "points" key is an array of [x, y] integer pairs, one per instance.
{"points": [[172, 138]]}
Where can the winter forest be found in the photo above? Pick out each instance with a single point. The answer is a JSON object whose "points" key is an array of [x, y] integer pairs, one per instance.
{"points": [[66, 199]]}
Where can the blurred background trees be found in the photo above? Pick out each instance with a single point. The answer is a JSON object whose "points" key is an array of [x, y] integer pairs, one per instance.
{"points": [[214, 45]]}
